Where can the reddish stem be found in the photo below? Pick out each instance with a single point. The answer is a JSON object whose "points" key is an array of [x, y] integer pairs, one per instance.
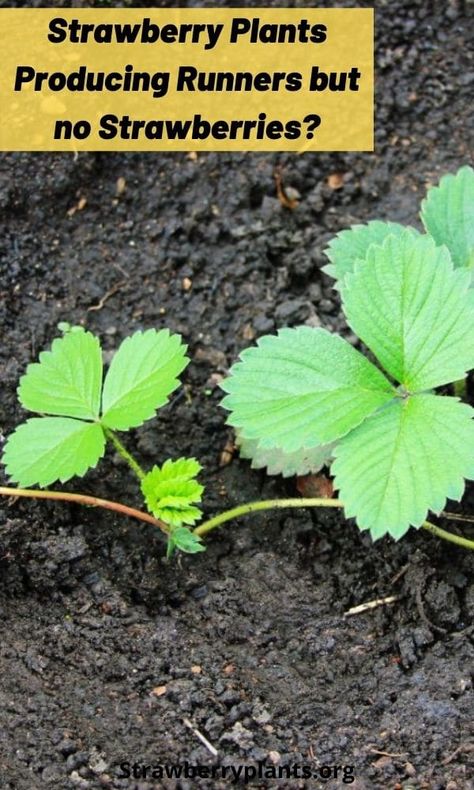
{"points": [[85, 499]]}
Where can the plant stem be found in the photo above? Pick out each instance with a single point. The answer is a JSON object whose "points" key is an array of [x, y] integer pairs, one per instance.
{"points": [[128, 457], [264, 504], [212, 523], [450, 536], [85, 499], [270, 504]]}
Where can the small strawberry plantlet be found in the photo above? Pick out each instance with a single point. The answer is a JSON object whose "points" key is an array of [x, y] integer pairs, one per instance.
{"points": [[84, 411]]}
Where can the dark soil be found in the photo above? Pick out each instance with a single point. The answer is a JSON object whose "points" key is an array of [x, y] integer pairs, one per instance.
{"points": [[106, 649]]}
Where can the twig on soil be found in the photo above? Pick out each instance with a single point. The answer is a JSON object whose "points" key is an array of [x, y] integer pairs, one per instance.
{"points": [[201, 737], [462, 634], [121, 270], [400, 573], [106, 296], [464, 747], [286, 202], [365, 607], [388, 754], [457, 516]]}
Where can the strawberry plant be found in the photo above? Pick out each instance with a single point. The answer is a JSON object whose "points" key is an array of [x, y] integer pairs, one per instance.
{"points": [[306, 397], [398, 448], [85, 410]]}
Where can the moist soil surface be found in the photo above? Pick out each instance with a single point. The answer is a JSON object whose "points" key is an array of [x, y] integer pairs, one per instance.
{"points": [[108, 651]]}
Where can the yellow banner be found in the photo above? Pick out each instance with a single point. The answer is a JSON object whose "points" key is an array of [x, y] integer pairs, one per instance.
{"points": [[204, 79]]}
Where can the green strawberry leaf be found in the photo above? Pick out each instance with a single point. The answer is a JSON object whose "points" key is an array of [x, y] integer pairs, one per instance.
{"points": [[302, 388], [448, 215], [170, 490], [142, 375], [352, 245], [185, 540], [300, 462], [404, 461], [67, 380], [46, 449], [413, 310], [65, 327]]}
